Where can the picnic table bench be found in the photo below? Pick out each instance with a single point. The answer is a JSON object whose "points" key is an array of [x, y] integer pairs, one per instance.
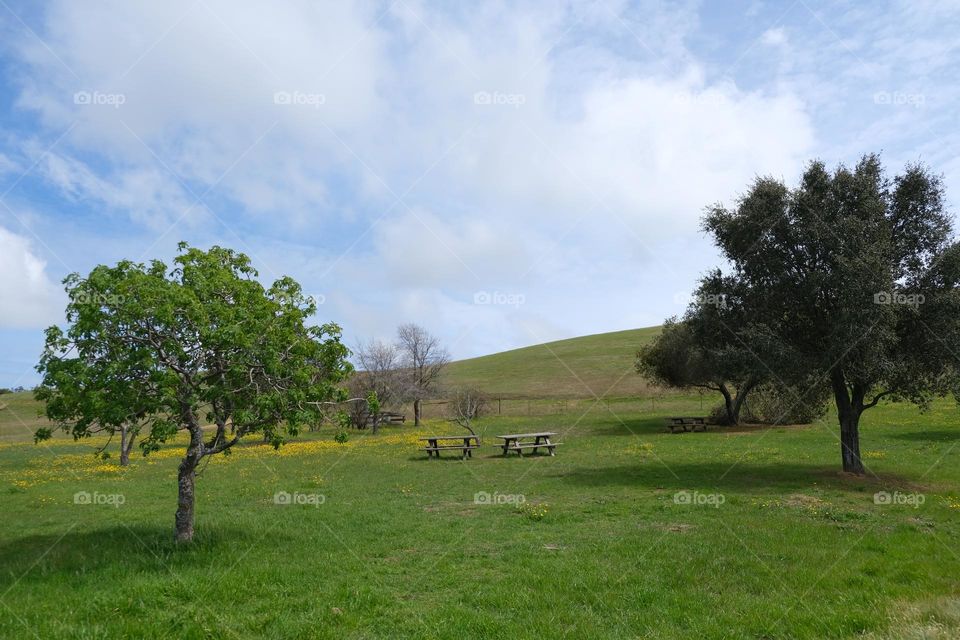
{"points": [[520, 441], [388, 417], [465, 444], [686, 423]]}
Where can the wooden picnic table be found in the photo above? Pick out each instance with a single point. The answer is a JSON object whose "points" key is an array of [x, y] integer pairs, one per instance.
{"points": [[520, 441], [466, 445], [685, 423]]}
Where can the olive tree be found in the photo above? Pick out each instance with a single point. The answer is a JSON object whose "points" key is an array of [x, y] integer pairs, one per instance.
{"points": [[851, 277], [206, 349], [705, 348]]}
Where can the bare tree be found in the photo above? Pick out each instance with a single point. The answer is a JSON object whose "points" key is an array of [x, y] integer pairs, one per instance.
{"points": [[423, 359], [379, 364], [466, 405]]}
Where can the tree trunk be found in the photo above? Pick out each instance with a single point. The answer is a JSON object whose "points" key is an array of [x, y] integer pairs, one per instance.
{"points": [[733, 417], [124, 449], [848, 412], [186, 482], [850, 443], [740, 398], [417, 412]]}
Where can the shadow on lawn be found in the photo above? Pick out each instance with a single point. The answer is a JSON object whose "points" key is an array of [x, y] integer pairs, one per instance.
{"points": [[132, 549], [655, 425], [724, 476], [615, 426], [938, 435]]}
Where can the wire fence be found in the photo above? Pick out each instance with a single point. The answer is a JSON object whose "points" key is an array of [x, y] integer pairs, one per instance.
{"points": [[661, 403]]}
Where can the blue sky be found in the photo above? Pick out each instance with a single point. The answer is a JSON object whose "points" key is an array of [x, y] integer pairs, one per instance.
{"points": [[502, 173]]}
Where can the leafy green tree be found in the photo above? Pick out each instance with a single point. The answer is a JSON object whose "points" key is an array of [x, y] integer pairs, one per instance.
{"points": [[849, 278], [203, 343], [705, 349], [107, 389]]}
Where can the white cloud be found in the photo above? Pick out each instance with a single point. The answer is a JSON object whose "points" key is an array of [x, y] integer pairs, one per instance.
{"points": [[586, 160], [148, 195], [776, 37], [609, 136], [28, 298], [8, 165]]}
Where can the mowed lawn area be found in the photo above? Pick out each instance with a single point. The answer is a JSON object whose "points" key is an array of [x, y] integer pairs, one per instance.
{"points": [[774, 542]]}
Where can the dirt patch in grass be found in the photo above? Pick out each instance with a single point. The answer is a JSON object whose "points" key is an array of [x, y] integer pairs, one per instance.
{"points": [[871, 481]]}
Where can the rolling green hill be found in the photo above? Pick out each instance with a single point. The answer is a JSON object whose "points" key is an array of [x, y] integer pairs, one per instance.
{"points": [[588, 366], [19, 416]]}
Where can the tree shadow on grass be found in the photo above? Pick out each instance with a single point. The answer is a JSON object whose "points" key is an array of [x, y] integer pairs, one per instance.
{"points": [[450, 457], [741, 478], [936, 435], [656, 425], [129, 550], [613, 426]]}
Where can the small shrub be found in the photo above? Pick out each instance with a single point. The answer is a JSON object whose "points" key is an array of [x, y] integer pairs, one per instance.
{"points": [[776, 404]]}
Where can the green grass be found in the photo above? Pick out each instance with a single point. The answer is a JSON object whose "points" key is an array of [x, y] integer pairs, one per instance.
{"points": [[19, 416], [399, 549], [588, 366]]}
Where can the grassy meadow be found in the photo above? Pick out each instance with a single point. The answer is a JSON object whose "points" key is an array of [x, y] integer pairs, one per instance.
{"points": [[600, 365], [767, 539]]}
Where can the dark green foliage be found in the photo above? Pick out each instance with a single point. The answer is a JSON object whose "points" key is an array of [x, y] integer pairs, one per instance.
{"points": [[798, 404], [704, 349], [850, 278]]}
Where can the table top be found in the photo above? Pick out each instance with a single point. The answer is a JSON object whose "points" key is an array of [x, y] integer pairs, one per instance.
{"points": [[464, 437], [514, 436]]}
